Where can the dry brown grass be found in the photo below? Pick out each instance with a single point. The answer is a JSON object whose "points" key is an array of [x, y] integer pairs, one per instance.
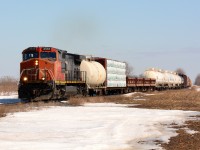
{"points": [[173, 99], [104, 99], [2, 111], [184, 140], [76, 101], [79, 101], [24, 107], [180, 99]]}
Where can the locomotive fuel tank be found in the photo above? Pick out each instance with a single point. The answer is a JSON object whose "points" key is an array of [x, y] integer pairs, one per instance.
{"points": [[96, 74]]}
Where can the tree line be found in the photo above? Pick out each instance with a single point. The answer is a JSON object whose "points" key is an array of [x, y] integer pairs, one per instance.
{"points": [[8, 84]]}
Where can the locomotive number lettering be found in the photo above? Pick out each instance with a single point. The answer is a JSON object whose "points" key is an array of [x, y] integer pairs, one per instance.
{"points": [[46, 48]]}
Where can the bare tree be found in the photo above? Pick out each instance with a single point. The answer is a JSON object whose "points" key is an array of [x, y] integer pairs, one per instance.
{"points": [[197, 80], [129, 69], [8, 84], [180, 71]]}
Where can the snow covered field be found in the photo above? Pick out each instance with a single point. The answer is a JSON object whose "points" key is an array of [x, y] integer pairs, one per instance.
{"points": [[104, 126]]}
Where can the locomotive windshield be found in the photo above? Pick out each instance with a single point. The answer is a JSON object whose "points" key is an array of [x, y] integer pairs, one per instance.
{"points": [[48, 55], [30, 55]]}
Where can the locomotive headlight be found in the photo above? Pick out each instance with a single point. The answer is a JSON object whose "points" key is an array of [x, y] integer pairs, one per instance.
{"points": [[43, 78], [36, 62], [25, 79]]}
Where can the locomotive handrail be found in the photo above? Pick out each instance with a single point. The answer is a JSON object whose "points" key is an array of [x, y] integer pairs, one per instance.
{"points": [[24, 71], [50, 72], [71, 75], [37, 71]]}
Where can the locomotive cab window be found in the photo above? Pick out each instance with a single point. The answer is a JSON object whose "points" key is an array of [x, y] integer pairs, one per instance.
{"points": [[50, 55], [30, 55]]}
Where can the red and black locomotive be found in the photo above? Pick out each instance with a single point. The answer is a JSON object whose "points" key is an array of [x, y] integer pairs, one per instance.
{"points": [[45, 72]]}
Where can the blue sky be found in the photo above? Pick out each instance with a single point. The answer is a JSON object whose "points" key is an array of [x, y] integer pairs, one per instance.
{"points": [[145, 33]]}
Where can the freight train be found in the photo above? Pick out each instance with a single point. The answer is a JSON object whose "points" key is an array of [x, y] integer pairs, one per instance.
{"points": [[51, 73]]}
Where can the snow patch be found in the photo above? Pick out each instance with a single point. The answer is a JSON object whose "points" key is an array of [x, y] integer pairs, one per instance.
{"points": [[149, 94], [11, 96], [129, 94], [189, 131], [139, 99], [8, 99], [103, 126], [133, 93], [65, 102]]}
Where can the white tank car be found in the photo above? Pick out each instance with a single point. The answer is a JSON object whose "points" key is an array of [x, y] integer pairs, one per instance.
{"points": [[164, 77], [178, 79], [155, 74], [95, 72], [170, 79]]}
